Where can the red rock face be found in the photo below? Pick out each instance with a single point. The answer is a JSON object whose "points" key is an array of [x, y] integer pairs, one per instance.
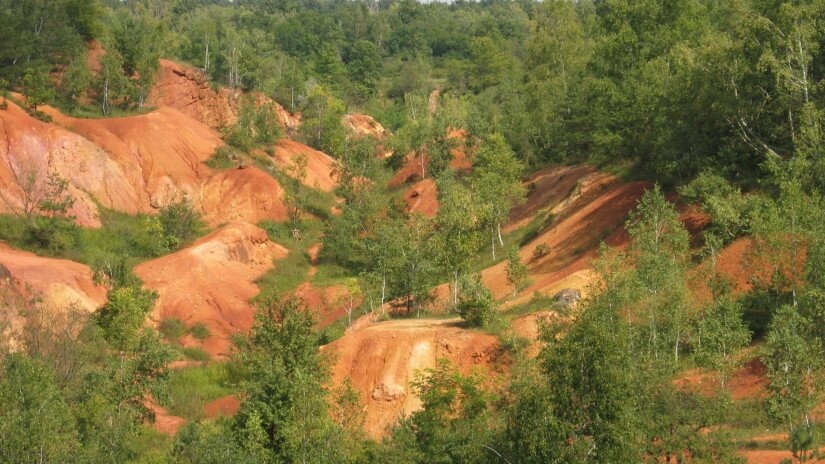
{"points": [[319, 167], [249, 195], [188, 90], [364, 125], [29, 146]]}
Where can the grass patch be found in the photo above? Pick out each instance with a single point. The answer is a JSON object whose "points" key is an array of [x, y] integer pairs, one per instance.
{"points": [[200, 331], [172, 329], [196, 354], [191, 388], [291, 271], [222, 159]]}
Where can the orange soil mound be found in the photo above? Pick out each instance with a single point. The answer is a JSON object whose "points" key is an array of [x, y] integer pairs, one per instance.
{"points": [[32, 146], [410, 172], [223, 406], [319, 170], [749, 382], [61, 283], [212, 281], [248, 195], [165, 422], [573, 240], [765, 456], [188, 90], [422, 198], [162, 153], [381, 359], [364, 125], [548, 188]]}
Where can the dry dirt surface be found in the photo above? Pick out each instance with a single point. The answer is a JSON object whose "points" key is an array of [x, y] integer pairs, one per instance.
{"points": [[223, 406], [248, 195], [319, 167], [381, 359], [60, 283], [212, 281], [364, 125], [32, 148], [165, 422], [162, 153]]}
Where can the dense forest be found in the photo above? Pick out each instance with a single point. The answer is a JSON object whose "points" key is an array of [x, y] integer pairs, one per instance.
{"points": [[718, 103]]}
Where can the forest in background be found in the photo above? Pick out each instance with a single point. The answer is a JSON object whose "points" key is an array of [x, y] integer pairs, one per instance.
{"points": [[721, 102]]}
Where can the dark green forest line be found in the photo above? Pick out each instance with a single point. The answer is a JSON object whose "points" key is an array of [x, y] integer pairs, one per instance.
{"points": [[721, 102]]}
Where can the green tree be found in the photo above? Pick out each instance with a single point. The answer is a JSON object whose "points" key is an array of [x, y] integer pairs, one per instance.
{"points": [[516, 270], [458, 229], [455, 423], [475, 302], [38, 87], [285, 413], [36, 424], [124, 314], [496, 181]]}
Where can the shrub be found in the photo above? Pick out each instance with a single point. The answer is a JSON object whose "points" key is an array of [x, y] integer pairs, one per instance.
{"points": [[223, 158], [172, 329], [475, 304], [180, 222], [196, 354], [540, 251], [200, 331]]}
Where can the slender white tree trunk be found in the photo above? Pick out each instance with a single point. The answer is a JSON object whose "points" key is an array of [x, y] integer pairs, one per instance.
{"points": [[493, 241], [383, 294], [500, 240]]}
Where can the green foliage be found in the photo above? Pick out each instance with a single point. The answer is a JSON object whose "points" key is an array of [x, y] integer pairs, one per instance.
{"points": [[200, 331], [124, 314], [475, 302], [285, 414], [190, 388], [172, 329], [321, 127], [516, 270], [36, 424], [455, 423], [37, 87], [180, 222], [257, 126]]}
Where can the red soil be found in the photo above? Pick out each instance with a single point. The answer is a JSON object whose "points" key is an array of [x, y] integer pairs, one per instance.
{"points": [[364, 125], [212, 281], [248, 195], [224, 406], [59, 281], [165, 422], [381, 359], [188, 90], [161, 153], [548, 187], [32, 146], [319, 168]]}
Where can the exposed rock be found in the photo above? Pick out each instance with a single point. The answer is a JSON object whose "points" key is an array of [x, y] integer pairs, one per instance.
{"points": [[567, 297]]}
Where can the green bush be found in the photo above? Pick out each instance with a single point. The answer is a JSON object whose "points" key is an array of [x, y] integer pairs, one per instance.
{"points": [[180, 222], [475, 303], [196, 354], [200, 331], [172, 329]]}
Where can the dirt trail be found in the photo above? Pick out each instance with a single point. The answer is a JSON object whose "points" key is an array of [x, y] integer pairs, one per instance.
{"points": [[380, 359], [212, 281]]}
